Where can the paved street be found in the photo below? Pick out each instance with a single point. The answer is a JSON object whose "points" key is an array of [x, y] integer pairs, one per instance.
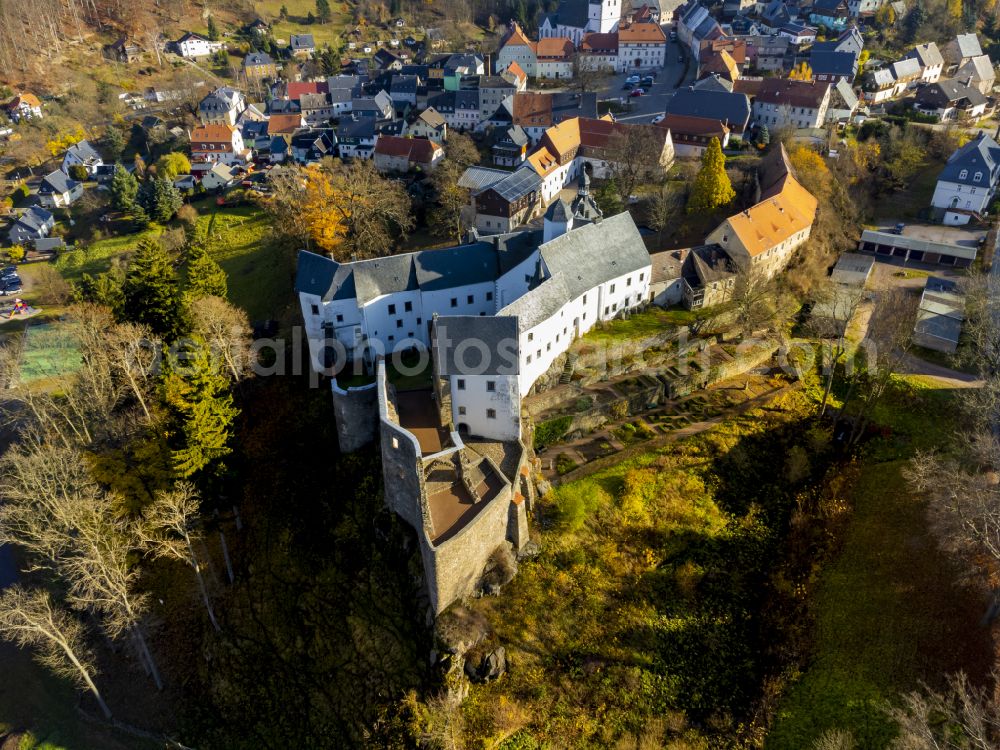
{"points": [[644, 108]]}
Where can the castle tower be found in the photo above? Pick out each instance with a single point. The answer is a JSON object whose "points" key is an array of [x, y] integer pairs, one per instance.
{"points": [[585, 209], [557, 221]]}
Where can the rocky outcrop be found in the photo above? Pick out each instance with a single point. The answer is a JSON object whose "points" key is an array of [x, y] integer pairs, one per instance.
{"points": [[490, 666]]}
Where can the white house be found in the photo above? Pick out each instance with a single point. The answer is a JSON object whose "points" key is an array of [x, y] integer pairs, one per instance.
{"points": [[218, 142], [930, 60], [640, 46], [785, 102], [195, 45], [225, 105], [219, 176], [968, 181], [58, 190], [82, 154]]}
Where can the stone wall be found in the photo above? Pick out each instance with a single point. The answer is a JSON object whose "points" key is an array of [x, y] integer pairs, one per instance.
{"points": [[354, 412], [455, 567]]}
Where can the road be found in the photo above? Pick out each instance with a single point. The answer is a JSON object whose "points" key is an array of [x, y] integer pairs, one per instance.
{"points": [[644, 108]]}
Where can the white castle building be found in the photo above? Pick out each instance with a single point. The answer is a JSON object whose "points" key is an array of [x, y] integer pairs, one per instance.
{"points": [[493, 314], [574, 18]]}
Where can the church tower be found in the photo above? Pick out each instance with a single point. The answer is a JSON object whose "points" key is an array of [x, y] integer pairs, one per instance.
{"points": [[604, 15]]}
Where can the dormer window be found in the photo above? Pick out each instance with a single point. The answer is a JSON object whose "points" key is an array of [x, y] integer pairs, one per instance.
{"points": [[977, 177], [964, 174]]}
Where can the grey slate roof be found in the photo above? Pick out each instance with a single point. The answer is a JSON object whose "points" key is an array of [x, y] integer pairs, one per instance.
{"points": [[445, 268], [57, 182], [906, 68], [981, 154], [824, 62], [943, 93], [559, 211], [726, 107], [847, 95], [577, 262], [927, 54], [35, 218], [979, 68], [301, 42], [84, 152], [572, 13], [497, 334], [968, 45], [257, 58]]}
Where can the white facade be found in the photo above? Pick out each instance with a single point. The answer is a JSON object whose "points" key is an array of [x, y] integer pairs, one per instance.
{"points": [[602, 17], [641, 55], [196, 46], [523, 54], [963, 198]]}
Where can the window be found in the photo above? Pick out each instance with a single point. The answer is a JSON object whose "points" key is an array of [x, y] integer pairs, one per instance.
{"points": [[419, 321], [315, 309], [470, 299], [612, 288], [454, 301], [392, 338], [460, 384], [340, 318], [548, 347], [392, 309], [539, 353], [557, 338], [461, 411], [409, 334], [395, 442], [606, 309], [491, 413], [489, 296], [491, 385], [978, 176], [642, 276], [408, 307], [585, 299], [628, 281], [399, 324], [528, 361], [963, 174]]}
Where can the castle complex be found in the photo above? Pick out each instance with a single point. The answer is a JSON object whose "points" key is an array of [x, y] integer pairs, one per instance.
{"points": [[493, 314]]}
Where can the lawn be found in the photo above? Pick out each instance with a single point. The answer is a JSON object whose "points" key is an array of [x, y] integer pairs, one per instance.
{"points": [[298, 13], [888, 612], [96, 257], [649, 322]]}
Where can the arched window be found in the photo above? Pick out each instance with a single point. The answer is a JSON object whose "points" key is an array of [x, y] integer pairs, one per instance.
{"points": [[977, 177], [964, 174]]}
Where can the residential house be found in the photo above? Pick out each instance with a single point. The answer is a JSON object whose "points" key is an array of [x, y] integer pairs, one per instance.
{"points": [[537, 112], [218, 142], [356, 137], [830, 66], [641, 46], [930, 60], [554, 57], [23, 107], [186, 183], [798, 33], [729, 109], [844, 102], [978, 73], [961, 49], [833, 14], [515, 74], [33, 224], [504, 200], [769, 54], [259, 66], [517, 47], [696, 25], [763, 237], [880, 85], [494, 92], [950, 99], [460, 109], [386, 60], [301, 45], [510, 146], [121, 50], [428, 124], [313, 145], [403, 91], [379, 106], [224, 105], [849, 40], [720, 66], [219, 177], [285, 125], [84, 155], [708, 276], [395, 154], [599, 51], [575, 18], [864, 9], [907, 73], [789, 103], [316, 108], [257, 29], [711, 60], [691, 135], [195, 45], [968, 181], [58, 190]]}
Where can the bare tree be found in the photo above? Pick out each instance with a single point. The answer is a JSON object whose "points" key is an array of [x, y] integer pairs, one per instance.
{"points": [[963, 717], [586, 76], [835, 739], [171, 530], [982, 322], [753, 303], [834, 306], [134, 355], [665, 208], [30, 619], [448, 218], [445, 725], [226, 329]]}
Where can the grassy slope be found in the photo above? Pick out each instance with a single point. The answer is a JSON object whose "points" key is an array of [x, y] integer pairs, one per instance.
{"points": [[888, 611]]}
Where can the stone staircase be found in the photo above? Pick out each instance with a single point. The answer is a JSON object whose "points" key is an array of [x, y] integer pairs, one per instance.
{"points": [[567, 373]]}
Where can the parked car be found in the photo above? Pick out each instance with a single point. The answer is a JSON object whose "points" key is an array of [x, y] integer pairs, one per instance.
{"points": [[647, 81], [632, 79], [628, 86], [637, 92], [898, 229], [10, 288], [658, 119]]}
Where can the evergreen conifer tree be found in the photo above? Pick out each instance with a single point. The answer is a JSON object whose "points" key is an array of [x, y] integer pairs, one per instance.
{"points": [[150, 292], [205, 277], [124, 188], [213, 29]]}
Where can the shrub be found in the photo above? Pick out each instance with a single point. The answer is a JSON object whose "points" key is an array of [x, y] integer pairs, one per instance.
{"points": [[78, 172], [21, 191], [564, 464], [550, 431], [16, 253]]}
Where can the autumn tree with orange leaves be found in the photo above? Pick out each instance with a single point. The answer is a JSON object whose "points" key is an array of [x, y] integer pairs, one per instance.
{"points": [[344, 209]]}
